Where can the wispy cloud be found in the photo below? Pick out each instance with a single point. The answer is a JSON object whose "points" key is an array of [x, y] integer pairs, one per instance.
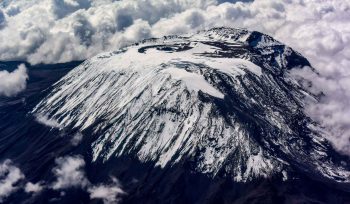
{"points": [[77, 138], [44, 119]]}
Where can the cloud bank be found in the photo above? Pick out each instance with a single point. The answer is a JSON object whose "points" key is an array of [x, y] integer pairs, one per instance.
{"points": [[50, 31], [11, 83], [47, 31]]}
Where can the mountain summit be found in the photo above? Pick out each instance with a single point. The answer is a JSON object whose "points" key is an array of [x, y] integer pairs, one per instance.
{"points": [[220, 102]]}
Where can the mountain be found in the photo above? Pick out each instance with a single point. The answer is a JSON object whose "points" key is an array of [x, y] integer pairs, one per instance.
{"points": [[213, 117]]}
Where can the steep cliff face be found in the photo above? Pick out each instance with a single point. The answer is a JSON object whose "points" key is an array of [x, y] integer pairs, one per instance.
{"points": [[221, 99]]}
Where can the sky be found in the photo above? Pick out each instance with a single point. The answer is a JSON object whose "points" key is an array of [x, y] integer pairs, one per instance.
{"points": [[54, 31]]}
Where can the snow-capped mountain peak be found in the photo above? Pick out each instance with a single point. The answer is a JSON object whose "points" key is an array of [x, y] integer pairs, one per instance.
{"points": [[221, 98]]}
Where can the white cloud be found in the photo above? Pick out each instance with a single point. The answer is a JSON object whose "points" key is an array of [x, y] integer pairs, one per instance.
{"points": [[108, 193], [70, 173], [33, 187], [43, 119], [10, 175], [332, 111], [11, 83], [64, 30]]}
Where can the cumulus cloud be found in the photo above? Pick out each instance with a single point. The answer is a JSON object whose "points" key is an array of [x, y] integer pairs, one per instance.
{"points": [[70, 173], [12, 180], [11, 83], [332, 109], [62, 8], [10, 175], [48, 31], [33, 187], [42, 31], [108, 193]]}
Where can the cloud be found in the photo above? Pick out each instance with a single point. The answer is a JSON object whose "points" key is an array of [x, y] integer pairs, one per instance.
{"points": [[108, 193], [42, 31], [70, 173], [77, 138], [44, 119], [12, 180], [62, 8], [33, 188], [10, 175], [11, 83], [49, 122], [51, 31], [332, 110], [2, 19]]}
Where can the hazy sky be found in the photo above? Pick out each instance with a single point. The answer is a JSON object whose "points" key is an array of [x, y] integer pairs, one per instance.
{"points": [[51, 31]]}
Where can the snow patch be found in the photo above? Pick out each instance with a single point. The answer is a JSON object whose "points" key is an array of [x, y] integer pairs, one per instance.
{"points": [[132, 58], [193, 81]]}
